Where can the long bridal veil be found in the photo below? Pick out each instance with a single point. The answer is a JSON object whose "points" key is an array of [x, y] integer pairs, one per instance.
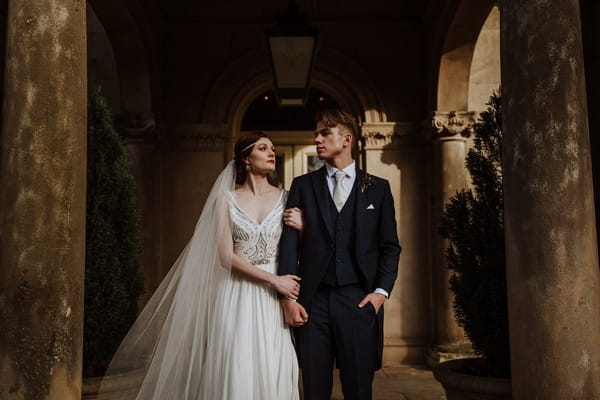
{"points": [[165, 349]]}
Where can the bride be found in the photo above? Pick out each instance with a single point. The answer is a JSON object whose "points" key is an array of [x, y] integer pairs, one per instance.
{"points": [[214, 328]]}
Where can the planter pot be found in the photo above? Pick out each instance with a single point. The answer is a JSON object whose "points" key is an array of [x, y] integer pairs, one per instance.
{"points": [[461, 386], [115, 387]]}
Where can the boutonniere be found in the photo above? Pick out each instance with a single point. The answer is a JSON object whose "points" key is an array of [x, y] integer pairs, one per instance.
{"points": [[365, 182]]}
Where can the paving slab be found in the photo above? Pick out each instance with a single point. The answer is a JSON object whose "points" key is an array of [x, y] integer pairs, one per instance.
{"points": [[400, 382]]}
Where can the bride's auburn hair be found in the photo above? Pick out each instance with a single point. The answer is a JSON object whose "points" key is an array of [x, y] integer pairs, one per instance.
{"points": [[242, 149]]}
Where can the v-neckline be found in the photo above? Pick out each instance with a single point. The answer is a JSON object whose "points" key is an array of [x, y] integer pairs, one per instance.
{"points": [[248, 216]]}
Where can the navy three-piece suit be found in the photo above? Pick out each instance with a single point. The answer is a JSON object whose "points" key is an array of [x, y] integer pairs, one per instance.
{"points": [[341, 256]]}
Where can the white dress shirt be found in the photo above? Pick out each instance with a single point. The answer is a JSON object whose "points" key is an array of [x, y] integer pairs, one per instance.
{"points": [[347, 183]]}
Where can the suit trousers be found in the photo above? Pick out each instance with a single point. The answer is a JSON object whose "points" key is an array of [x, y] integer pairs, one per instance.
{"points": [[338, 331]]}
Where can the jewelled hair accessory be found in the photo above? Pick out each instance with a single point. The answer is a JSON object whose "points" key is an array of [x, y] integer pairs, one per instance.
{"points": [[247, 147]]}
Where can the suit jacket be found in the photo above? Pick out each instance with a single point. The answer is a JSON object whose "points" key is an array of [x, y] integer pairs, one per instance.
{"points": [[376, 240]]}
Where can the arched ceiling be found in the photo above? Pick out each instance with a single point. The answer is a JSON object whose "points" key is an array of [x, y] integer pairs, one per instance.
{"points": [[187, 44], [315, 10]]}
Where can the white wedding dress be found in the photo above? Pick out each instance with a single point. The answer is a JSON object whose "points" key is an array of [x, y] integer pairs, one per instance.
{"points": [[250, 353], [207, 333]]}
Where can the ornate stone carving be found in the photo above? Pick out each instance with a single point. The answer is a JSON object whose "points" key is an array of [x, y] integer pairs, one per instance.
{"points": [[389, 134], [197, 137], [453, 123], [137, 127], [143, 129], [379, 134]]}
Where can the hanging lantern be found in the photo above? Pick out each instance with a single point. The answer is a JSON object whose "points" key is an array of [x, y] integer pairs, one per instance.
{"points": [[292, 48]]}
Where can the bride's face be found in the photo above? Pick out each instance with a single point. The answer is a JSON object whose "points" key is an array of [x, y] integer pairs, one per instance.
{"points": [[262, 157]]}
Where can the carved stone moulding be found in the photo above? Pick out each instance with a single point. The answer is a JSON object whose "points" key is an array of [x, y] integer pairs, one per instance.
{"points": [[197, 137], [453, 123], [384, 135]]}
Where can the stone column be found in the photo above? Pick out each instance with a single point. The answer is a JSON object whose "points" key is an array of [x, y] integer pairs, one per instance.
{"points": [[551, 253], [450, 133], [3, 12], [42, 203], [142, 135]]}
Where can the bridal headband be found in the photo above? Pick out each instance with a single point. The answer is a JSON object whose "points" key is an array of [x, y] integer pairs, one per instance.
{"points": [[247, 147]]}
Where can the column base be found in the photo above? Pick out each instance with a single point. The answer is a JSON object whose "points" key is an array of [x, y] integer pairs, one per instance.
{"points": [[444, 352]]}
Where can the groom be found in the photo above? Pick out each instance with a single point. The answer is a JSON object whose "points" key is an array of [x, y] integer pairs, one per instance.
{"points": [[347, 257]]}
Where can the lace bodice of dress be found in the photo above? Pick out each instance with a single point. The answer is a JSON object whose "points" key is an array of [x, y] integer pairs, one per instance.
{"points": [[258, 243]]}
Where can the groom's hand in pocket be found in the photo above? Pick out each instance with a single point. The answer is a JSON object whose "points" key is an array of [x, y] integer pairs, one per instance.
{"points": [[376, 299], [294, 313]]}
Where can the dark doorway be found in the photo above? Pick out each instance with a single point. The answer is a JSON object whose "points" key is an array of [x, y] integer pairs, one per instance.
{"points": [[265, 115]]}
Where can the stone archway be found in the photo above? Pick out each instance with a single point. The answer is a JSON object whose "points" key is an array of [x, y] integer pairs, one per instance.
{"points": [[457, 54], [127, 33], [297, 143], [101, 64], [249, 76], [128, 45], [321, 80], [452, 124], [484, 76]]}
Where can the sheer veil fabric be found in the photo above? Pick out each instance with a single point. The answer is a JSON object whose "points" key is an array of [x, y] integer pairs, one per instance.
{"points": [[166, 345]]}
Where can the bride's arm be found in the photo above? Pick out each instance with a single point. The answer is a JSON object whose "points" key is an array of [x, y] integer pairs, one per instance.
{"points": [[222, 232], [287, 285]]}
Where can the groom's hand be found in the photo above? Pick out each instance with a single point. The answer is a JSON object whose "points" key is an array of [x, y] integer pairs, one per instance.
{"points": [[377, 299], [294, 313]]}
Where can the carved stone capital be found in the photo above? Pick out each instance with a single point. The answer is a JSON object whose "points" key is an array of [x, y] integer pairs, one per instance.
{"points": [[378, 134], [453, 123], [388, 134], [137, 127]]}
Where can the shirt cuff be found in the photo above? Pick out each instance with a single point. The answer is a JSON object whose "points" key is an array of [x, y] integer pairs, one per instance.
{"points": [[383, 292]]}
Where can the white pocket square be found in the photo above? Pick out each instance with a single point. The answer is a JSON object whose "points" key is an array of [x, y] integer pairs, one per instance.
{"points": [[371, 207]]}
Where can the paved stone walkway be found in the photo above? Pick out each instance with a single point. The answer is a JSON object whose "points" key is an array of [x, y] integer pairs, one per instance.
{"points": [[401, 383]]}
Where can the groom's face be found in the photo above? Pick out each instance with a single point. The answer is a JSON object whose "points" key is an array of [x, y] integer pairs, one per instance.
{"points": [[332, 141]]}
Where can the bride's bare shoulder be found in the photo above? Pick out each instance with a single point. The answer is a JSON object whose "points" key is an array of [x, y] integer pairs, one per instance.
{"points": [[224, 196]]}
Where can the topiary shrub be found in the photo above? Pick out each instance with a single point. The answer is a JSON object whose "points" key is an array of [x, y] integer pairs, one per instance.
{"points": [[112, 279], [473, 223]]}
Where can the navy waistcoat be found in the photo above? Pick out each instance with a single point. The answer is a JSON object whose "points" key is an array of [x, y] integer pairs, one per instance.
{"points": [[343, 267]]}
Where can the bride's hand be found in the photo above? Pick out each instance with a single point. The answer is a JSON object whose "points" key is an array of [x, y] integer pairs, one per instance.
{"points": [[294, 218], [287, 285]]}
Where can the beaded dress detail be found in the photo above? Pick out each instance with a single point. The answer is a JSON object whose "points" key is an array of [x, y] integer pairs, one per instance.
{"points": [[252, 356]]}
